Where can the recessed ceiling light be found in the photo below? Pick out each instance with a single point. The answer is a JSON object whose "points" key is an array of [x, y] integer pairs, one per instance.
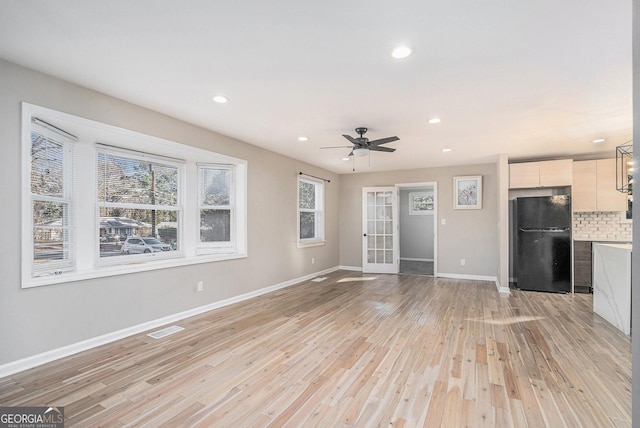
{"points": [[401, 52], [447, 150], [434, 120], [598, 140], [303, 139], [345, 159], [220, 99]]}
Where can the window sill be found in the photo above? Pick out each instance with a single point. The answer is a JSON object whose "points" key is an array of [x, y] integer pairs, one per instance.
{"points": [[135, 267], [311, 244]]}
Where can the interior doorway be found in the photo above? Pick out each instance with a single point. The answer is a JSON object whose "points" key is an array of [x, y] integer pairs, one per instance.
{"points": [[417, 221]]}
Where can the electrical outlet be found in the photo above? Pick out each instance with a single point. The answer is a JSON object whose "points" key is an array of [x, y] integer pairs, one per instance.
{"points": [[463, 262], [313, 261], [199, 286], [443, 221]]}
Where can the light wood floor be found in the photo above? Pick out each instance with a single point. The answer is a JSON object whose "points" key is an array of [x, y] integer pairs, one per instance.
{"points": [[355, 350]]}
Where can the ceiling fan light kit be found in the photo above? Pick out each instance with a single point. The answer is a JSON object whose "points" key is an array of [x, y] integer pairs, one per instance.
{"points": [[362, 146]]}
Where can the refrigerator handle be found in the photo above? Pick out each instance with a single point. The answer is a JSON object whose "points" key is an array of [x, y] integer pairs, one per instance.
{"points": [[560, 230]]}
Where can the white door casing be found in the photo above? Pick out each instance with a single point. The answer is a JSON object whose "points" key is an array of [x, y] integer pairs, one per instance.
{"points": [[380, 245], [434, 186]]}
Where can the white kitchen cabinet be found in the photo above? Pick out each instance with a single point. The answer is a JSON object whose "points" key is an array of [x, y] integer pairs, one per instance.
{"points": [[555, 173], [594, 187]]}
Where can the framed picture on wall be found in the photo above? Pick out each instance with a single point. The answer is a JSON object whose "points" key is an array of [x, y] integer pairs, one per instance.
{"points": [[467, 192]]}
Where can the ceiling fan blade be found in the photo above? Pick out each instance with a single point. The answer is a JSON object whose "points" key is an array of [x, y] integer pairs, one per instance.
{"points": [[383, 141], [337, 147], [350, 138], [381, 149]]}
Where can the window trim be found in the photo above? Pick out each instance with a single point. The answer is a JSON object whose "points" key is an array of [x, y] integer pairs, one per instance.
{"points": [[220, 246], [421, 194], [66, 141], [179, 208], [318, 239], [91, 133]]}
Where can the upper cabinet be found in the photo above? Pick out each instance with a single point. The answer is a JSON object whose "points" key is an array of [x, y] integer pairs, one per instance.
{"points": [[585, 182], [594, 187], [554, 173]]}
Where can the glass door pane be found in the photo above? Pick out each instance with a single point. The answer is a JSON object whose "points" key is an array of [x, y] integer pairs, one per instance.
{"points": [[379, 252]]}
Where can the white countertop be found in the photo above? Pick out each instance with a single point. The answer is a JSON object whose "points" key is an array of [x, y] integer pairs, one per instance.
{"points": [[612, 284], [606, 241], [626, 247]]}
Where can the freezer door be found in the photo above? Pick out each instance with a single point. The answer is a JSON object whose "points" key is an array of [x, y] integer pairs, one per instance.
{"points": [[543, 211], [544, 260]]}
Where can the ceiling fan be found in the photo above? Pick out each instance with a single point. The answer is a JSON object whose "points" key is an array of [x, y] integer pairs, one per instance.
{"points": [[362, 145]]}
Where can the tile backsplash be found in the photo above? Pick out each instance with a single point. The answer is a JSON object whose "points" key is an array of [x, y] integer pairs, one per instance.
{"points": [[601, 226]]}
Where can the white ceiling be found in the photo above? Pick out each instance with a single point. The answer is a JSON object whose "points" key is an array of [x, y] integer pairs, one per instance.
{"points": [[532, 79]]}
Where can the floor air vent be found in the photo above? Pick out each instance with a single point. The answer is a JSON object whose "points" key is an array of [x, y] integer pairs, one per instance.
{"points": [[318, 279], [165, 332]]}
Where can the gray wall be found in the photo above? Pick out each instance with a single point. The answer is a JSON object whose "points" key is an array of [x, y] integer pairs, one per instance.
{"points": [[39, 319], [468, 234], [416, 231]]}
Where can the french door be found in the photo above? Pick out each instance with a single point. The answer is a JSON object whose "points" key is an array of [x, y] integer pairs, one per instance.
{"points": [[380, 230]]}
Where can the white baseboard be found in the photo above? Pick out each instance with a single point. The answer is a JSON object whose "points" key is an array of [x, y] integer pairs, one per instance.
{"points": [[352, 268], [55, 354], [504, 290], [407, 259], [462, 276]]}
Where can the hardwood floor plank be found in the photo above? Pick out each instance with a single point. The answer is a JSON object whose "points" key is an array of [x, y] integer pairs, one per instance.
{"points": [[356, 350], [453, 406]]}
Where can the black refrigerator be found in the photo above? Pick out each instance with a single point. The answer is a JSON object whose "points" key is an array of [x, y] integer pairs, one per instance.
{"points": [[543, 244]]}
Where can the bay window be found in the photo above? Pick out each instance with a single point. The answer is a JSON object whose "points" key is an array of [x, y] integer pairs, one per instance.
{"points": [[103, 201]]}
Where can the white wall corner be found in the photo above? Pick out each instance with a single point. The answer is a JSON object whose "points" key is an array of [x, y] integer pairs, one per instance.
{"points": [[502, 289]]}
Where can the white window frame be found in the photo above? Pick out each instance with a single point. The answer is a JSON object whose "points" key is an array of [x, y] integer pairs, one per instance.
{"points": [[318, 238], [66, 141], [179, 208], [220, 246], [85, 238], [413, 211]]}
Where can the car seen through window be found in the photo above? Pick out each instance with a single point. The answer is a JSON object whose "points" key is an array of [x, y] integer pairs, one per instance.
{"points": [[140, 245]]}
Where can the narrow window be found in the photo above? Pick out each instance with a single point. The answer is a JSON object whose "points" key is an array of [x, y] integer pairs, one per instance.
{"points": [[310, 211], [51, 188], [215, 206]]}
